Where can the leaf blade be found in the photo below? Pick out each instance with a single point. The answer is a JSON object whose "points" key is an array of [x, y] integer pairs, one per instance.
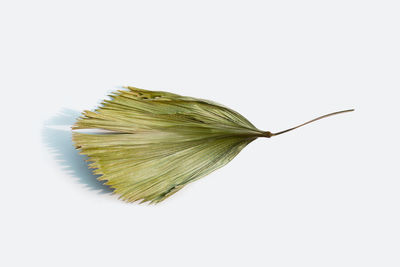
{"points": [[160, 141]]}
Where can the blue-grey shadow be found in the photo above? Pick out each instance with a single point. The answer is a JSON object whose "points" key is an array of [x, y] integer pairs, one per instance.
{"points": [[59, 143]]}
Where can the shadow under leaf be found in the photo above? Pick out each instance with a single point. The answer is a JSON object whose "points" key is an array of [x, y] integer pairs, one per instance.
{"points": [[59, 142]]}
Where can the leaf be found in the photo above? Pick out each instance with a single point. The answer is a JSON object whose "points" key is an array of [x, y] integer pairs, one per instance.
{"points": [[158, 142]]}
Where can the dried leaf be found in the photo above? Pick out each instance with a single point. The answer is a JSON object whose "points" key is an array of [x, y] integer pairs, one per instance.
{"points": [[157, 142]]}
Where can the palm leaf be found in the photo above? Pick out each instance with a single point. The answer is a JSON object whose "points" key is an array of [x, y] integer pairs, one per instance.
{"points": [[157, 142]]}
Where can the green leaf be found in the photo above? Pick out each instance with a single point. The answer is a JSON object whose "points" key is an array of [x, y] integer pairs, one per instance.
{"points": [[157, 142]]}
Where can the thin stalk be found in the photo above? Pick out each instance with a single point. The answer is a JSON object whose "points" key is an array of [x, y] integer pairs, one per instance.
{"points": [[269, 134]]}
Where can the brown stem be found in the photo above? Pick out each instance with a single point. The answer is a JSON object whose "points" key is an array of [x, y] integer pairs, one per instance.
{"points": [[269, 134]]}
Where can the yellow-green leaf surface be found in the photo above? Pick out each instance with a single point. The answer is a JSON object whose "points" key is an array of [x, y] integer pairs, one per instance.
{"points": [[157, 142]]}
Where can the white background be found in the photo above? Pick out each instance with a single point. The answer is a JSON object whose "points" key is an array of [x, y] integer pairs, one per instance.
{"points": [[324, 195]]}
